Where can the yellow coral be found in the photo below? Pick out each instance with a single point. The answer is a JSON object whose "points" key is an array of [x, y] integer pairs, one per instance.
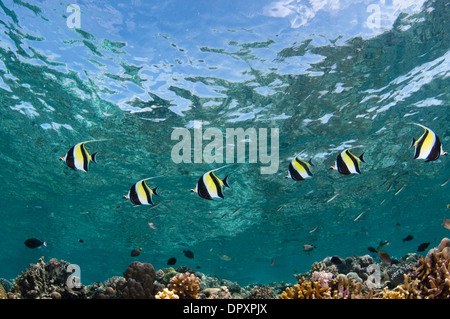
{"points": [[3, 294], [186, 285], [305, 289], [166, 294]]}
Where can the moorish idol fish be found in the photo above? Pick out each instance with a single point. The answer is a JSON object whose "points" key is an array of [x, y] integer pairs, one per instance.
{"points": [[209, 186], [347, 163], [140, 193], [299, 170], [78, 158], [428, 146]]}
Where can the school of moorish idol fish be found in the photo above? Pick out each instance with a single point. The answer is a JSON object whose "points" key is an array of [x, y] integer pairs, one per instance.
{"points": [[428, 147]]}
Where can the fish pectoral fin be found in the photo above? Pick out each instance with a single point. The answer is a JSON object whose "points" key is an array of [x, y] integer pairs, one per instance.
{"points": [[413, 142], [94, 157]]}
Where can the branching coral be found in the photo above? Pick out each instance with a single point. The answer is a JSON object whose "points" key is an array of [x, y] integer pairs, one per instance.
{"points": [[408, 290], [305, 289], [343, 287], [322, 285], [140, 277], [185, 285], [3, 292], [166, 294], [433, 271]]}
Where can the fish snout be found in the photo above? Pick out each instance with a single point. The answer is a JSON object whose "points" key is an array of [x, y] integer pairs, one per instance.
{"points": [[62, 158], [126, 196]]}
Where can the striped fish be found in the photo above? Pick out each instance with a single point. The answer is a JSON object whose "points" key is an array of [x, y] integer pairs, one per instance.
{"points": [[347, 163], [428, 146], [299, 170], [209, 186], [140, 193], [78, 158]]}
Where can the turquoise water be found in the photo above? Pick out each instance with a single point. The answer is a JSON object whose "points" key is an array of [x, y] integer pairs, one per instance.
{"points": [[328, 75]]}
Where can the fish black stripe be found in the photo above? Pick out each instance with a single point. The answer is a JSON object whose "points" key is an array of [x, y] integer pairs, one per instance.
{"points": [[420, 144], [202, 190], [85, 157], [354, 160], [435, 151], [294, 174], [305, 166], [134, 198], [217, 183], [341, 166], [70, 158], [147, 193]]}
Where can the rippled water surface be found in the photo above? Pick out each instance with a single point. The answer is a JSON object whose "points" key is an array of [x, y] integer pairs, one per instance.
{"points": [[328, 75]]}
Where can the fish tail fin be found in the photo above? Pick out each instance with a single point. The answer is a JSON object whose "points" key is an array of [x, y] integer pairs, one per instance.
{"points": [[94, 157], [413, 142], [154, 191], [45, 243], [361, 157], [310, 162], [225, 181]]}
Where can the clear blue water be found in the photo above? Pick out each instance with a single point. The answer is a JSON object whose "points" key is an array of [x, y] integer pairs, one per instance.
{"points": [[327, 74]]}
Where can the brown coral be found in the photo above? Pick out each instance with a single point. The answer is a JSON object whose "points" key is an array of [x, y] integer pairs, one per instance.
{"points": [[408, 290], [343, 287], [47, 280], [262, 292], [323, 286], [185, 285], [139, 285], [305, 289], [3, 294], [433, 271]]}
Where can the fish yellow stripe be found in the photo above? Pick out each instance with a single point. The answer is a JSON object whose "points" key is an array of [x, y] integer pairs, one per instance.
{"points": [[426, 144], [80, 157], [210, 185], [299, 167], [142, 194], [349, 162]]}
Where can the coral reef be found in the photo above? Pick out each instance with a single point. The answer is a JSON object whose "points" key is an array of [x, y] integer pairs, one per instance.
{"points": [[139, 281], [262, 292], [433, 272], [166, 294], [185, 285], [47, 281], [357, 277], [322, 285], [3, 294], [215, 293]]}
